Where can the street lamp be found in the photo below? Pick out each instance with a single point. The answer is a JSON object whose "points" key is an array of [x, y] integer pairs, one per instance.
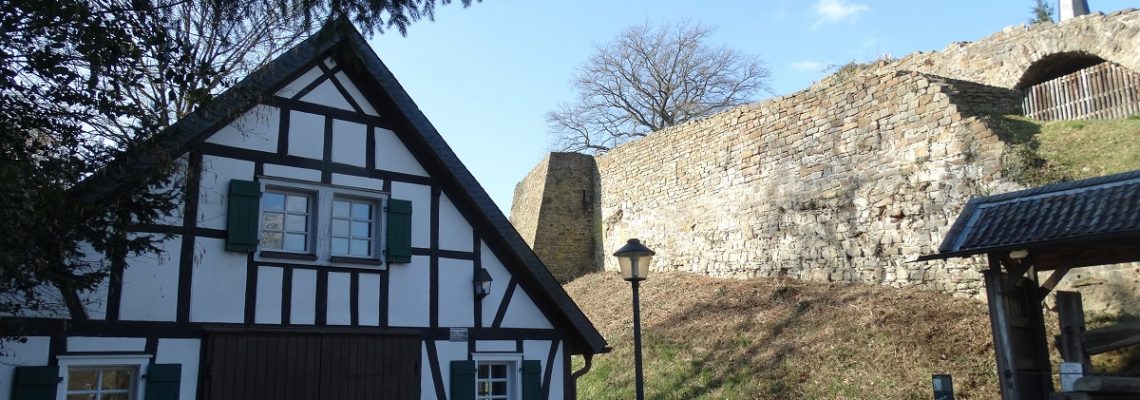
{"points": [[634, 261]]}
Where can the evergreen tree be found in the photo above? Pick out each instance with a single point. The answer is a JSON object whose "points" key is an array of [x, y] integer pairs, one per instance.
{"points": [[1042, 12]]}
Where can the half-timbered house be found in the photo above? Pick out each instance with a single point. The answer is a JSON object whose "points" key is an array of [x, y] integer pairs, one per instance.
{"points": [[328, 247]]}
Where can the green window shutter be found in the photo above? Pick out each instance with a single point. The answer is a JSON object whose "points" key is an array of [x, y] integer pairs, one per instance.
{"points": [[163, 381], [35, 383], [399, 231], [242, 215], [462, 380], [531, 380]]}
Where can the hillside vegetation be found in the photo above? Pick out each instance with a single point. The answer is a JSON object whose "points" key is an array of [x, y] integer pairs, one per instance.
{"points": [[709, 338], [1047, 152]]}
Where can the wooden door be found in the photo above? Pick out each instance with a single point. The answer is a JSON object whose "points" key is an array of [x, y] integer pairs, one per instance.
{"points": [[311, 366]]}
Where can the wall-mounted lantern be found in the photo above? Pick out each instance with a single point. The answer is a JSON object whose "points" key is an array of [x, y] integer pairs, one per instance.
{"points": [[482, 283]]}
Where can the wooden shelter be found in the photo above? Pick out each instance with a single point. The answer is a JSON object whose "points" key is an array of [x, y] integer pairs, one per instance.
{"points": [[1050, 230]]}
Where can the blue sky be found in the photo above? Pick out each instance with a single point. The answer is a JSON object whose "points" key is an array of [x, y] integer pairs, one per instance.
{"points": [[486, 75]]}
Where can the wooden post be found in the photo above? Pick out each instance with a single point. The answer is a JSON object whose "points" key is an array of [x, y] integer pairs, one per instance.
{"points": [[1003, 350], [1071, 315]]}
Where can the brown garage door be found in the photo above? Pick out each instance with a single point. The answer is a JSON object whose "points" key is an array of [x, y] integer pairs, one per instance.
{"points": [[252, 366]]}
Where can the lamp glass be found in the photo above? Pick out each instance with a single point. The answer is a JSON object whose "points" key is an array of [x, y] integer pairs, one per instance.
{"points": [[634, 258], [482, 282]]}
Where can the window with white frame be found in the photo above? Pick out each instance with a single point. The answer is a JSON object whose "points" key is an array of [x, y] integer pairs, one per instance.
{"points": [[497, 376], [286, 220], [493, 380], [101, 377], [353, 227], [320, 223], [101, 382]]}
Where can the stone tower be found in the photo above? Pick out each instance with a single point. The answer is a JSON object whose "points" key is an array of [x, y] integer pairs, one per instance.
{"points": [[1073, 8], [555, 210]]}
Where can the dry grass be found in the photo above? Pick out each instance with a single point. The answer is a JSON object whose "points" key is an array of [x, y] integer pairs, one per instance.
{"points": [[708, 338]]}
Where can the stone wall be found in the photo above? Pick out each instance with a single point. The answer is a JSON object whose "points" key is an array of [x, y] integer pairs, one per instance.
{"points": [[845, 182], [555, 210], [1002, 58], [849, 180]]}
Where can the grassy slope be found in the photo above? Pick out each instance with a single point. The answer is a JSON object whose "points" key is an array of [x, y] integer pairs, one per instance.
{"points": [[1067, 150], [762, 339], [708, 338]]}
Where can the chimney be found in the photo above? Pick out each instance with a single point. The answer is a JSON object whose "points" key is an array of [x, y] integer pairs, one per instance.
{"points": [[1073, 8]]}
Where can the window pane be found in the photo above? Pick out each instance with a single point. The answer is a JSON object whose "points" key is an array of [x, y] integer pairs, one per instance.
{"points": [[82, 380], [81, 397], [361, 229], [340, 246], [271, 240], [272, 221], [117, 396], [361, 211], [296, 223], [498, 387], [340, 209], [499, 371], [273, 201], [340, 227], [484, 371], [360, 247], [297, 203], [116, 379], [295, 241]]}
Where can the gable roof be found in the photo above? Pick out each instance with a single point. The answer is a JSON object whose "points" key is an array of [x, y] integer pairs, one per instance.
{"points": [[1048, 218], [341, 41]]}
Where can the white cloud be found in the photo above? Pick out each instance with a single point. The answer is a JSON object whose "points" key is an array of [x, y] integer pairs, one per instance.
{"points": [[831, 11], [809, 65]]}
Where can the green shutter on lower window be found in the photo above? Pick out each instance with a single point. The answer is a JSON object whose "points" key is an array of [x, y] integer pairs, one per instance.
{"points": [[462, 380], [531, 380], [241, 216], [163, 381], [35, 383], [399, 231]]}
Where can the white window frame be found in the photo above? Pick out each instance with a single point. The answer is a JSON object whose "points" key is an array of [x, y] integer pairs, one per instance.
{"points": [[312, 215], [137, 362], [514, 373], [320, 227]]}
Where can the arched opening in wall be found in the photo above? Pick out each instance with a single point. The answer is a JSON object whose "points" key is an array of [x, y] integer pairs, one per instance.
{"points": [[1078, 85]]}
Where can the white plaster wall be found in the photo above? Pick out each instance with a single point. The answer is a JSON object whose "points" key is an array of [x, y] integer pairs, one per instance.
{"points": [[448, 351], [348, 143], [495, 346], [499, 281], [353, 91], [150, 284], [33, 352], [105, 344], [420, 196], [268, 306], [175, 216], [427, 385], [358, 182], [255, 130], [339, 310], [285, 171], [217, 290], [302, 306], [369, 300], [306, 135], [296, 85], [456, 293], [185, 352], [215, 188], [454, 231], [408, 293], [326, 94], [391, 155], [522, 313], [539, 350], [94, 301]]}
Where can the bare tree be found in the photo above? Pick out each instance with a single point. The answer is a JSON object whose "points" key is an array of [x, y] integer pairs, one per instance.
{"points": [[650, 78]]}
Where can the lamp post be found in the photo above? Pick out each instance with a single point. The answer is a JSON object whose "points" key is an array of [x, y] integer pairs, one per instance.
{"points": [[634, 261]]}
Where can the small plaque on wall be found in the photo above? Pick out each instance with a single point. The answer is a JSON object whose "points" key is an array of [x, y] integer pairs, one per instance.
{"points": [[458, 334]]}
